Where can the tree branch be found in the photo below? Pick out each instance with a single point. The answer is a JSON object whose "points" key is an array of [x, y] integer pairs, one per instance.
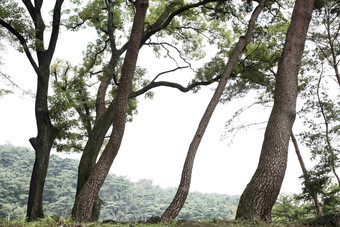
{"points": [[165, 19], [55, 29], [109, 25], [30, 9], [169, 71], [16, 85], [23, 44], [163, 44], [172, 85]]}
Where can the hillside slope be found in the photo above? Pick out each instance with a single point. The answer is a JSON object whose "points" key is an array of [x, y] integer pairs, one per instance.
{"points": [[124, 200]]}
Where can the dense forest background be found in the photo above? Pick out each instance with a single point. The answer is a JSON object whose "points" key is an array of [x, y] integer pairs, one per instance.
{"points": [[123, 200]]}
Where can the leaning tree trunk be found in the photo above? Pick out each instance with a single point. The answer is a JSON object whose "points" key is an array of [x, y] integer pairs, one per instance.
{"points": [[104, 116], [86, 198], [305, 175], [177, 203], [258, 198], [96, 138]]}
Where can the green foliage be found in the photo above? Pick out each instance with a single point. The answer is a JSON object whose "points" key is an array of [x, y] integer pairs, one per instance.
{"points": [[320, 114], [123, 200], [257, 65], [4, 92], [17, 17], [320, 111], [75, 89], [324, 35], [142, 200], [288, 209], [14, 181], [73, 102]]}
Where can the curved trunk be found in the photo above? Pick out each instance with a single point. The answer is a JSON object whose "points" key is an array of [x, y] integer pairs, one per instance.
{"points": [[258, 198], [177, 203], [95, 141], [86, 198]]}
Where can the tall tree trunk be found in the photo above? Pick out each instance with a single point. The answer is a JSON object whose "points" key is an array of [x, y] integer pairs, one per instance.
{"points": [[102, 125], [86, 198], [259, 196], [96, 136], [183, 189], [305, 175], [42, 144], [104, 116]]}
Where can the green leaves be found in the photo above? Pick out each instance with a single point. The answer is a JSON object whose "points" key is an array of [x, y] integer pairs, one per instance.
{"points": [[16, 16], [4, 92], [288, 209], [124, 200]]}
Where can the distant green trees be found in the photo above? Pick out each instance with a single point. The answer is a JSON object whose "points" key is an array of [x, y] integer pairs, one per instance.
{"points": [[15, 175], [293, 208], [123, 200]]}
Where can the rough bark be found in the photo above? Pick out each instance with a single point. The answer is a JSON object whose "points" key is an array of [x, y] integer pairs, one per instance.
{"points": [[104, 116], [317, 204], [177, 203], [86, 198], [97, 135], [259, 196]]}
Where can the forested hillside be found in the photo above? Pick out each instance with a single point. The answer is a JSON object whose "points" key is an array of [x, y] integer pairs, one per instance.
{"points": [[123, 200]]}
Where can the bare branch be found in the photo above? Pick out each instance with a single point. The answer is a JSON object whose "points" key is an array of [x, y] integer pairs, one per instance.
{"points": [[169, 71], [23, 44], [55, 29], [16, 85], [172, 85], [163, 44], [109, 25]]}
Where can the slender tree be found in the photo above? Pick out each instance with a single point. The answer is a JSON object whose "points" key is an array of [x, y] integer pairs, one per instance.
{"points": [[262, 191], [42, 143], [86, 198], [313, 194], [332, 158], [177, 203]]}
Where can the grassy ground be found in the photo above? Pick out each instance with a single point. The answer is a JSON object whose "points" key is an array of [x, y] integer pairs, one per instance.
{"points": [[49, 222], [326, 220]]}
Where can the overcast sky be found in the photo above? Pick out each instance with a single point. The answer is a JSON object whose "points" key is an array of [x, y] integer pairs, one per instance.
{"points": [[156, 142]]}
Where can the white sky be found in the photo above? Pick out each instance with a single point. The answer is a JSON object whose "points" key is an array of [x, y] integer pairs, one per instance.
{"points": [[156, 142]]}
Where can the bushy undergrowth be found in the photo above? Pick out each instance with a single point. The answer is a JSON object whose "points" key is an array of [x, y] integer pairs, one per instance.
{"points": [[67, 222]]}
